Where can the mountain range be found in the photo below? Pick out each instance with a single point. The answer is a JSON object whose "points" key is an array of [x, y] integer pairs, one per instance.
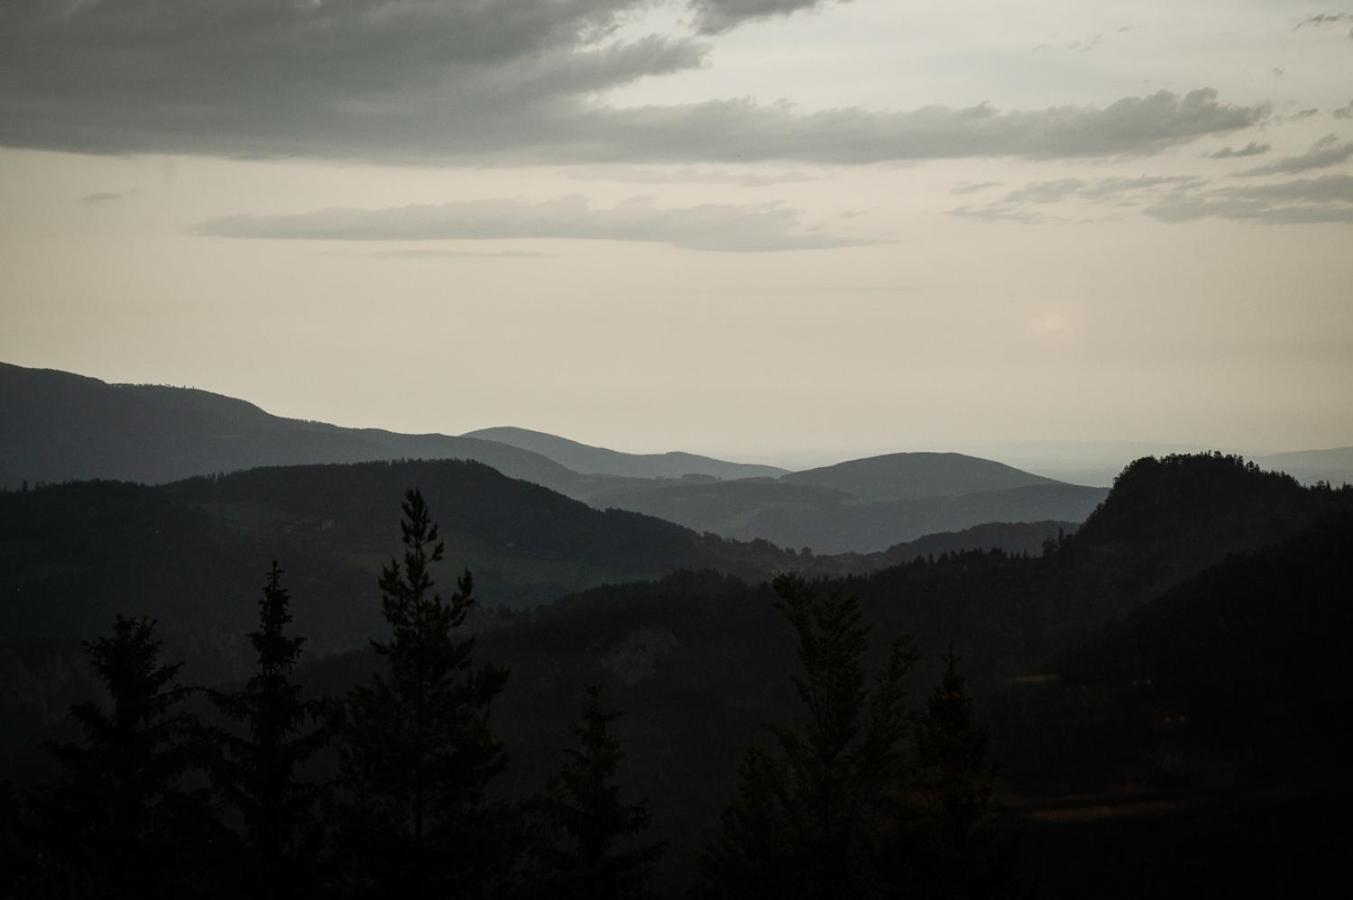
{"points": [[1175, 636], [60, 427], [64, 427]]}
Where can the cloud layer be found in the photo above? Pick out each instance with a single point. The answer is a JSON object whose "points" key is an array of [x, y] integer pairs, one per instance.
{"points": [[1175, 199], [428, 81], [1326, 152], [707, 227], [714, 16]]}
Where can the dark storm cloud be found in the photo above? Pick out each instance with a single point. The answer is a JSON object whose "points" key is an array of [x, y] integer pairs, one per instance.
{"points": [[1250, 149], [1326, 152], [714, 16], [706, 227], [502, 81]]}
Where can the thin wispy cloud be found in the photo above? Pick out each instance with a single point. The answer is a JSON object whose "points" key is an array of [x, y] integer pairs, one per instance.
{"points": [[685, 175], [713, 227], [1030, 203], [1327, 199], [1250, 149], [714, 16], [99, 198], [1326, 152], [1320, 20], [974, 187], [451, 254]]}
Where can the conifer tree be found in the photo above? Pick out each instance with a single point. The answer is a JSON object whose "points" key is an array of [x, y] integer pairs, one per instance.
{"points": [[121, 824], [966, 855], [594, 849], [418, 751], [258, 770], [820, 815]]}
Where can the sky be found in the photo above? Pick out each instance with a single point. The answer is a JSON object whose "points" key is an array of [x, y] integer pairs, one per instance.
{"points": [[765, 229]]}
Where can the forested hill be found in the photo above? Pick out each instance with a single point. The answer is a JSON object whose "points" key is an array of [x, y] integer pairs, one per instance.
{"points": [[191, 552], [699, 659], [1236, 669]]}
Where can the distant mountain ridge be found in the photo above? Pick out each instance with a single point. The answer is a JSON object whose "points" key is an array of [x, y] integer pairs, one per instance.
{"points": [[591, 460], [1333, 466], [828, 520], [61, 427], [915, 476]]}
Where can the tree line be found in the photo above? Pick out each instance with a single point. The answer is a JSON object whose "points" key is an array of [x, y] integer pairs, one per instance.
{"points": [[388, 791]]}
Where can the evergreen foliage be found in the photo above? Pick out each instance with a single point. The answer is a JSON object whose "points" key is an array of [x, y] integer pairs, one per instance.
{"points": [[590, 852], [121, 823], [824, 814], [418, 751], [259, 770], [964, 854]]}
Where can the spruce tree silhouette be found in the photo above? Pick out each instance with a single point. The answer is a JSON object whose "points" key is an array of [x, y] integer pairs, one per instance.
{"points": [[418, 751], [258, 771], [966, 855], [120, 824], [593, 850], [824, 814]]}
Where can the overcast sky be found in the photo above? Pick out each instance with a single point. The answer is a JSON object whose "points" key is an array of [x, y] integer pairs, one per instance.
{"points": [[758, 228]]}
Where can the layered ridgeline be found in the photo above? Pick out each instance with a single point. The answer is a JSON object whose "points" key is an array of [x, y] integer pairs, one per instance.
{"points": [[591, 460], [61, 427], [863, 505], [73, 554]]}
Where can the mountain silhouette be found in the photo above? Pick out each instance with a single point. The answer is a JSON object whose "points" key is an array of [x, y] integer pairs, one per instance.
{"points": [[62, 427], [828, 520], [1333, 466], [915, 476], [601, 461]]}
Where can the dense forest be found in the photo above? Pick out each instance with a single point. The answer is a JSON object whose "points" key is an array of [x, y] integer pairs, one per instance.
{"points": [[1160, 682]]}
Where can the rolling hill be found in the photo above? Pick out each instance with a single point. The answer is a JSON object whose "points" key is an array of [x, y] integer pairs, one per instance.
{"points": [[62, 427], [916, 476], [831, 521], [601, 461]]}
